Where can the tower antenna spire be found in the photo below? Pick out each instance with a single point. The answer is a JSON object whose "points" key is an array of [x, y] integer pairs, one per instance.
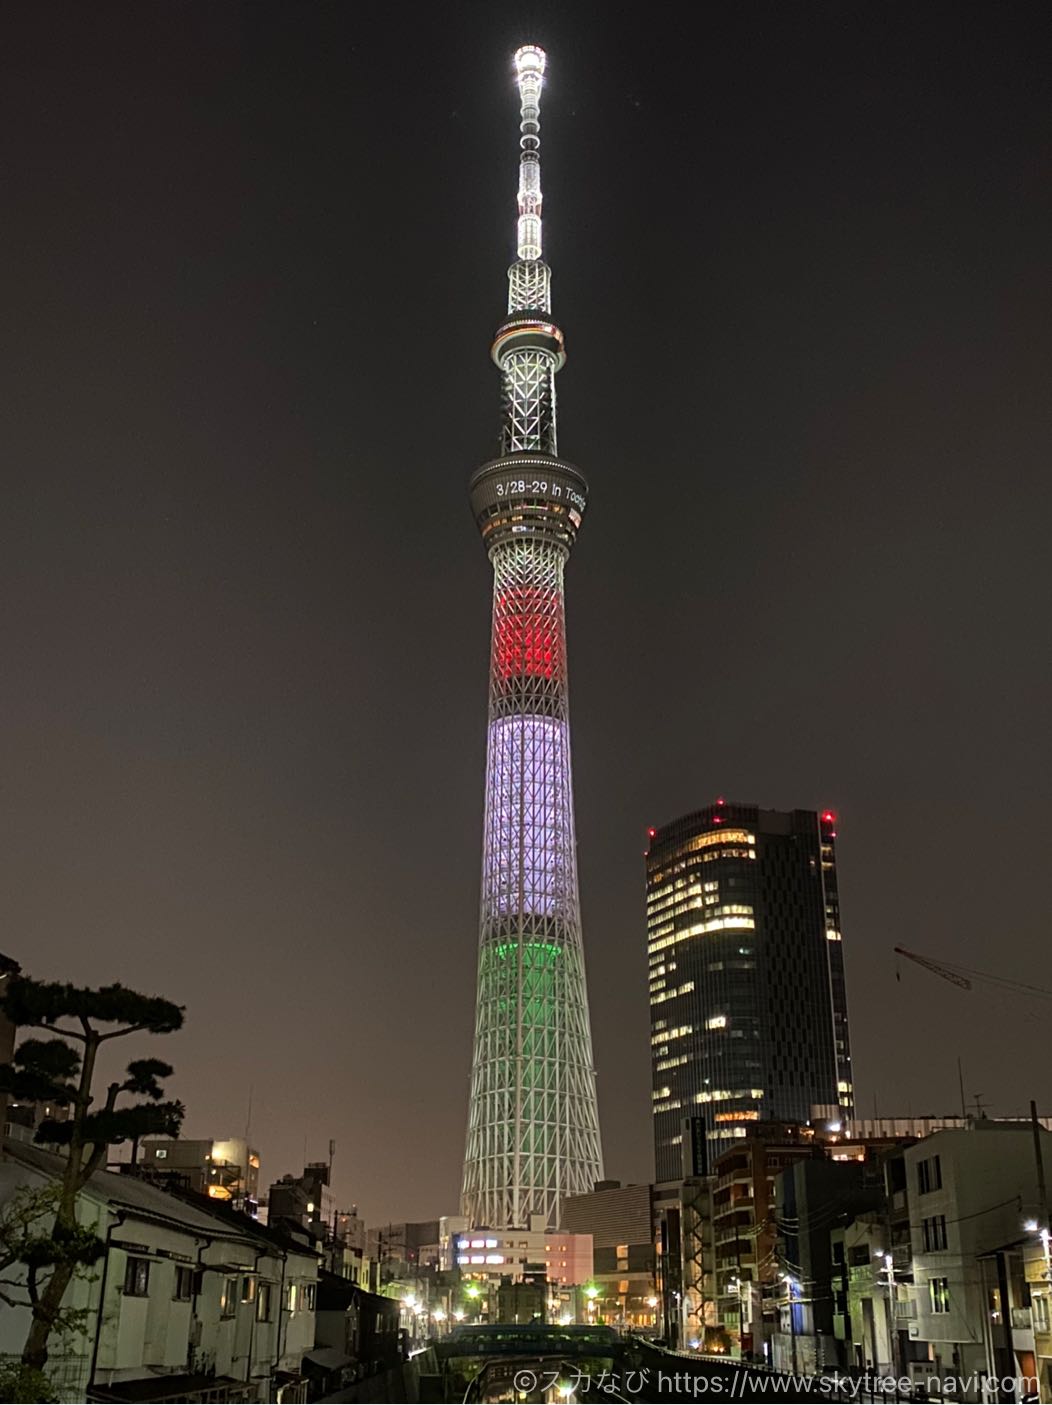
{"points": [[530, 63]]}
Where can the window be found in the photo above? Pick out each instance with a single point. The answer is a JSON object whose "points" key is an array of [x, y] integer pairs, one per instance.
{"points": [[137, 1278], [229, 1298], [292, 1297], [939, 1294], [184, 1283], [1039, 1303], [161, 1153], [309, 1295], [248, 1290], [929, 1175], [263, 1303], [934, 1232]]}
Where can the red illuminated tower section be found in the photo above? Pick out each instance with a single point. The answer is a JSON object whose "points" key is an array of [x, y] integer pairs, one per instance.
{"points": [[533, 1125]]}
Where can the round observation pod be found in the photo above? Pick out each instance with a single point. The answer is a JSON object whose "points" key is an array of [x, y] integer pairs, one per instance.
{"points": [[528, 495], [522, 332]]}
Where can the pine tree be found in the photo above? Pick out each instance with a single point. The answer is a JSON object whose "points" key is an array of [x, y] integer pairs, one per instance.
{"points": [[57, 1072]]}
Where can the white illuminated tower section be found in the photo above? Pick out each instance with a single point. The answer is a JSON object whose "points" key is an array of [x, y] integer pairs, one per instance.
{"points": [[533, 1127]]}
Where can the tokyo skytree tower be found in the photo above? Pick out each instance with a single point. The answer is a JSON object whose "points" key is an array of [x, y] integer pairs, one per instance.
{"points": [[533, 1124]]}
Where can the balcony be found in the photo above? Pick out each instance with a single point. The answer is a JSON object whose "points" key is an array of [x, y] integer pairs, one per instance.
{"points": [[905, 1311], [1021, 1319]]}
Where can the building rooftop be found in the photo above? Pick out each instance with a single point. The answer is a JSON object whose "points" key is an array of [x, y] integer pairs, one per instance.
{"points": [[136, 1193]]}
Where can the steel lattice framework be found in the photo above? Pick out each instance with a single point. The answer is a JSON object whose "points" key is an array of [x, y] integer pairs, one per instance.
{"points": [[533, 1127]]}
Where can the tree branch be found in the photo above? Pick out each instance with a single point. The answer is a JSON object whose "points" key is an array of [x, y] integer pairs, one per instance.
{"points": [[118, 1033], [51, 1028]]}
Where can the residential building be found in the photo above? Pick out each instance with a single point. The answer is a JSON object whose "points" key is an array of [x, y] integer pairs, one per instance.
{"points": [[1037, 1274], [402, 1249], [745, 1229], [971, 1194], [226, 1169], [865, 1317], [191, 1301], [747, 998], [450, 1229], [360, 1328], [350, 1228], [307, 1201], [811, 1198]]}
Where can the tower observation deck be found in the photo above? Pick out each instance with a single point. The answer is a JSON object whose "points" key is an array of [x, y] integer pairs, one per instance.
{"points": [[533, 1123]]}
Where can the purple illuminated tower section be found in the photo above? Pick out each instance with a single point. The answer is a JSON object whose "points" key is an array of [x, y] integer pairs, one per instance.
{"points": [[533, 1125]]}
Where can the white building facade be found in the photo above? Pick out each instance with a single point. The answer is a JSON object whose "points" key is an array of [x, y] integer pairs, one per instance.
{"points": [[184, 1304]]}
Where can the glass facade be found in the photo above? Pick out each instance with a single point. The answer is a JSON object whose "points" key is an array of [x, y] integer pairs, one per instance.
{"points": [[748, 1009]]}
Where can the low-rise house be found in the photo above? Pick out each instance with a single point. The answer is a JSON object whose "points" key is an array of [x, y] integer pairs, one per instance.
{"points": [[971, 1193], [360, 1325], [1037, 1272], [187, 1304]]}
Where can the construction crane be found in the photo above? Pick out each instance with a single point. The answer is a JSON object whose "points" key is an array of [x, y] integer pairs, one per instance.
{"points": [[964, 976]]}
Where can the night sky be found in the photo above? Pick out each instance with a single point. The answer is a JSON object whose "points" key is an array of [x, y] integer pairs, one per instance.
{"points": [[253, 256]]}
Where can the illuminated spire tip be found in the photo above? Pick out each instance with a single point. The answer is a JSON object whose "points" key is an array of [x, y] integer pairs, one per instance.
{"points": [[530, 63]]}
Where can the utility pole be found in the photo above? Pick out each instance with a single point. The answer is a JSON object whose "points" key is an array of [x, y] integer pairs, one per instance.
{"points": [[889, 1266], [1039, 1162], [1044, 1228]]}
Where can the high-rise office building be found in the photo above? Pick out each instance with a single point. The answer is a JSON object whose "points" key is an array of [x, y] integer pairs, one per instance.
{"points": [[748, 1010], [533, 1126]]}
